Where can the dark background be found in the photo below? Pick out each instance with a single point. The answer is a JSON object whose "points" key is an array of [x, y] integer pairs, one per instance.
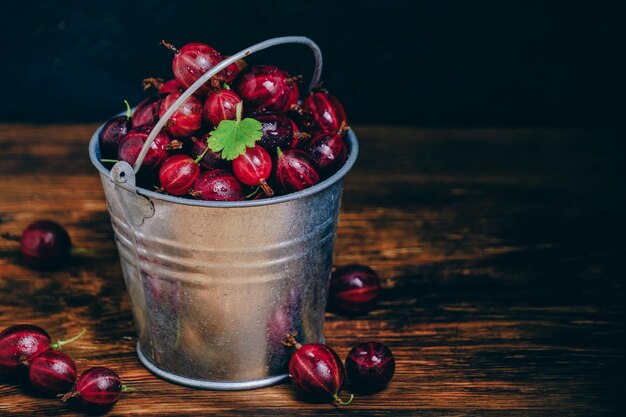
{"points": [[439, 63]]}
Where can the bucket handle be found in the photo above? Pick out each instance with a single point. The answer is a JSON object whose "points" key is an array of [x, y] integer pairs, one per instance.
{"points": [[219, 67]]}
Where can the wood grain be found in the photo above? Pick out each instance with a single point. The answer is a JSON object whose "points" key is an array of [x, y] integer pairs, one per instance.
{"points": [[501, 253]]}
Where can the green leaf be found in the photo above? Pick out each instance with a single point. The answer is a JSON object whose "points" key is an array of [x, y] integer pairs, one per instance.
{"points": [[231, 137]]}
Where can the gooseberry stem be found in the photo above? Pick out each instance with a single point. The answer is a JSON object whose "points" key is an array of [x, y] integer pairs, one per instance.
{"points": [[113, 161], [126, 388], [82, 251], [343, 128], [339, 400], [238, 110], [60, 343], [266, 188], [256, 190], [129, 112], [23, 361], [170, 46], [199, 158], [152, 82], [66, 397], [291, 341], [174, 145]]}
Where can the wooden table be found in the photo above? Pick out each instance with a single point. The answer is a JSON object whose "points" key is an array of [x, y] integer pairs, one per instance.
{"points": [[501, 251]]}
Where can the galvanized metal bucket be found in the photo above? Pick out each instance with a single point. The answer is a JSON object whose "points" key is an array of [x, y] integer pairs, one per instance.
{"points": [[216, 286]]}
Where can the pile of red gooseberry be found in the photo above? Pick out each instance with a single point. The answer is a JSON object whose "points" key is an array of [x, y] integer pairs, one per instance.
{"points": [[294, 143]]}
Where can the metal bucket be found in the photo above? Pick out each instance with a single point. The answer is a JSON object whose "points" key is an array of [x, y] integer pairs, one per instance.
{"points": [[216, 286]]}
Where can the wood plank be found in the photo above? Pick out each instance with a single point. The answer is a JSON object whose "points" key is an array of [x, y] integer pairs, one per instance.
{"points": [[500, 252]]}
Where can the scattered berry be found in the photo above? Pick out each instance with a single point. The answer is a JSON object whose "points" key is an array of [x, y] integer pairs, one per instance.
{"points": [[317, 370], [97, 387], [45, 244], [52, 372], [19, 344], [354, 288], [370, 366]]}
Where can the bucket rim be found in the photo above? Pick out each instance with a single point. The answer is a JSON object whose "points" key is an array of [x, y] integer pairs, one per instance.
{"points": [[353, 150]]}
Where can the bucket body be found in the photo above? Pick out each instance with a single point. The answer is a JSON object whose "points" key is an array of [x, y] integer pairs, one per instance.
{"points": [[216, 286]]}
